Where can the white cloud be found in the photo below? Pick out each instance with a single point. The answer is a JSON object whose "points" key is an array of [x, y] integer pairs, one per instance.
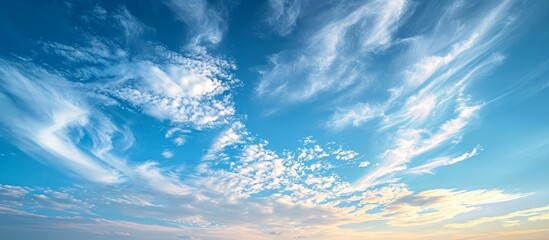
{"points": [[54, 114], [167, 153], [160, 180], [355, 115], [178, 135], [179, 92], [61, 201], [427, 66], [258, 192], [411, 142], [229, 137], [133, 199], [440, 66], [344, 155], [325, 64], [444, 161], [205, 23], [190, 90], [48, 111], [364, 164], [15, 192], [282, 15], [27, 198]]}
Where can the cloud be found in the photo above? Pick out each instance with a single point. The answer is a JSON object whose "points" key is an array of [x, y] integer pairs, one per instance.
{"points": [[244, 187], [13, 192], [233, 135], [282, 15], [54, 114], [139, 200], [364, 164], [355, 115], [433, 84], [188, 89], [61, 201], [82, 228], [205, 23], [441, 204], [49, 112], [411, 142], [344, 155], [161, 181], [132, 26], [324, 64], [178, 135], [24, 199], [444, 161], [69, 123], [532, 214], [167, 153]]}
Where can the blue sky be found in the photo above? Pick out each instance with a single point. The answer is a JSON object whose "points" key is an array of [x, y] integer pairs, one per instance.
{"points": [[274, 120]]}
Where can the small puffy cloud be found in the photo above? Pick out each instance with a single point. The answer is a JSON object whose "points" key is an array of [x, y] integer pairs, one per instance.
{"points": [[364, 164], [167, 153]]}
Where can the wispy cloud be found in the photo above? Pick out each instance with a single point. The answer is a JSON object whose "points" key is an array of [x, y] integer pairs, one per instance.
{"points": [[355, 116], [282, 15], [444, 161], [533, 214], [167, 153], [440, 204], [324, 64], [233, 135], [205, 23], [48, 116], [438, 68], [160, 180], [38, 199], [411, 142], [54, 113], [71, 113]]}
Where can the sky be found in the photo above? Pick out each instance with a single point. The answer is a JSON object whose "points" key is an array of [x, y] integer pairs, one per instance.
{"points": [[278, 119]]}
